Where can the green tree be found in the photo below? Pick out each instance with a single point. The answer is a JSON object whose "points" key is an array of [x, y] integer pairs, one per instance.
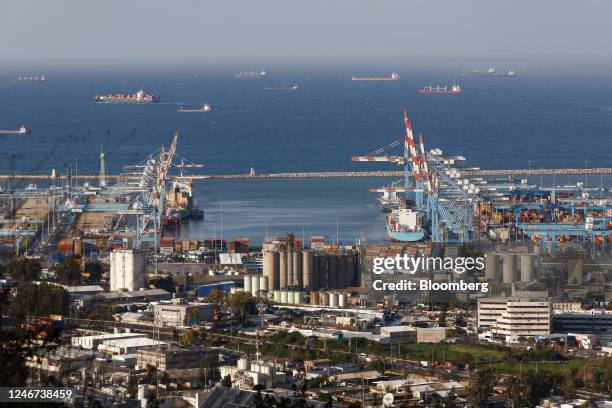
{"points": [[569, 385], [68, 272], [241, 304], [482, 386], [24, 269], [95, 269], [442, 318], [226, 381]]}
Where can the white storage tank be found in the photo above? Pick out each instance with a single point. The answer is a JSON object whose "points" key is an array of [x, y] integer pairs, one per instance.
{"points": [[247, 283], [342, 300], [254, 285], [527, 261], [284, 296], [508, 268], [243, 364], [277, 296], [263, 283], [333, 299]]}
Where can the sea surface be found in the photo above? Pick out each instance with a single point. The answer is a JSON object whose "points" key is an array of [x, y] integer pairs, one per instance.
{"points": [[539, 118]]}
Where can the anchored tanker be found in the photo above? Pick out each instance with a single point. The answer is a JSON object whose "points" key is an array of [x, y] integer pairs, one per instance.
{"points": [[205, 108], [455, 89], [393, 77], [139, 97], [251, 74]]}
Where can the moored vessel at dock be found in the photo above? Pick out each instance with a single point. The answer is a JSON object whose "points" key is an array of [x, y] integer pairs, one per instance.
{"points": [[405, 225], [138, 97]]}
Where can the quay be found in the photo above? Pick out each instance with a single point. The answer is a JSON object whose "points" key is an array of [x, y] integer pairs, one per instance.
{"points": [[333, 174]]}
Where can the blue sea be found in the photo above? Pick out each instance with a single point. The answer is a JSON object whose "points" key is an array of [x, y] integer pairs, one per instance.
{"points": [[540, 118]]}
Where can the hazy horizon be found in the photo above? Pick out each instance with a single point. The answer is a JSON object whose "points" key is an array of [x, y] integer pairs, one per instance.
{"points": [[338, 29]]}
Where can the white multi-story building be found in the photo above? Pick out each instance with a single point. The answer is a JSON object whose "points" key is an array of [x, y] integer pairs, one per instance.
{"points": [[179, 312], [127, 269], [511, 318]]}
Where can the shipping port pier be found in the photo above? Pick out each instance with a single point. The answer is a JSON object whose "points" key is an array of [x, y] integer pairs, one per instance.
{"points": [[474, 172]]}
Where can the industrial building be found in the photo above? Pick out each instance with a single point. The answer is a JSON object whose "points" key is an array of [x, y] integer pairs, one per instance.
{"points": [[513, 317], [287, 265], [127, 269], [172, 357], [399, 334], [180, 312], [92, 342], [597, 322], [249, 373]]}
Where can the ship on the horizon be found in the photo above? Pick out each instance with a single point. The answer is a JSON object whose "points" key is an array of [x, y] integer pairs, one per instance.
{"points": [[282, 88], [21, 131], [138, 97], [205, 108], [455, 89], [490, 72], [31, 78], [393, 77], [251, 74]]}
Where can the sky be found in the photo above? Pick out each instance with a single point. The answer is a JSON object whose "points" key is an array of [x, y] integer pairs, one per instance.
{"points": [[307, 28]]}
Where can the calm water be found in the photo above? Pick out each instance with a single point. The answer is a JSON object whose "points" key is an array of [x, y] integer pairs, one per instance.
{"points": [[552, 120]]}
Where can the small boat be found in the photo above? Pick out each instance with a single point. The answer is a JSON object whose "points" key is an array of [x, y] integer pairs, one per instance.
{"points": [[205, 108]]}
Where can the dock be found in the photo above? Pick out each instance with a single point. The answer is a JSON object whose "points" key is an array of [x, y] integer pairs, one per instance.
{"points": [[333, 174]]}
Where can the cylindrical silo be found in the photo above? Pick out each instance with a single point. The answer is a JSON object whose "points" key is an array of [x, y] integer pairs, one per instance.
{"points": [[315, 273], [491, 261], [307, 269], [351, 270], [527, 261], [277, 296], [300, 298], [263, 283], [323, 298], [342, 280], [247, 283], [508, 268], [342, 300], [284, 296], [290, 275], [323, 270], [254, 285], [332, 272], [270, 267], [298, 278], [333, 299], [314, 298], [282, 269]]}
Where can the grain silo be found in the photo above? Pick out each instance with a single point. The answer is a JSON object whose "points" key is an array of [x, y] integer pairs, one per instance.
{"points": [[527, 262], [298, 277], [491, 261], [282, 269], [508, 267], [307, 269]]}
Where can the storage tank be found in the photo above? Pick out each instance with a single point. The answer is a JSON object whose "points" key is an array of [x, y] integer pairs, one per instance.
{"points": [[270, 268], [508, 268], [323, 298], [243, 364], [491, 262], [314, 298], [527, 262], [263, 283], [307, 269], [295, 299], [342, 300], [284, 296], [298, 277], [290, 275], [333, 299], [277, 296], [351, 269], [574, 271], [247, 283], [254, 285], [282, 269]]}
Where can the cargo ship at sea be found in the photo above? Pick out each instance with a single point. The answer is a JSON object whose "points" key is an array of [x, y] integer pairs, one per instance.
{"points": [[138, 97], [455, 89], [205, 108], [251, 74], [21, 131], [490, 72], [393, 77], [31, 78]]}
